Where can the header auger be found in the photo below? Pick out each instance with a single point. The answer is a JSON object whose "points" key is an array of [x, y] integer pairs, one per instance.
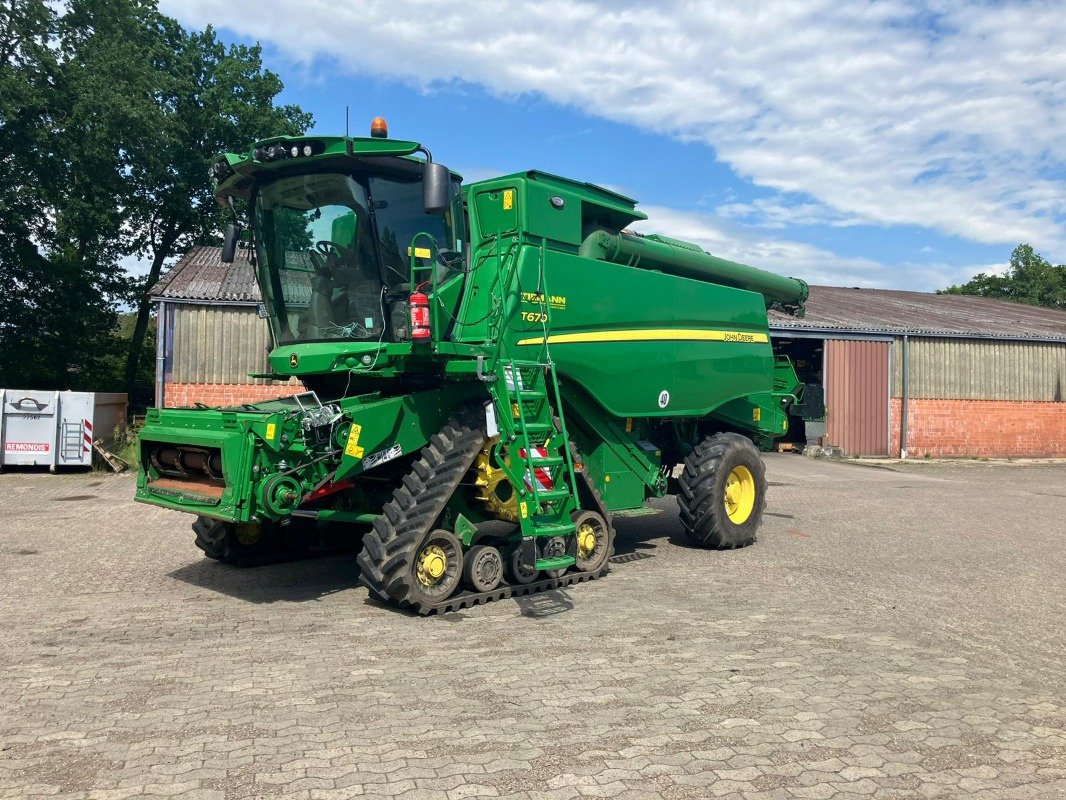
{"points": [[507, 351]]}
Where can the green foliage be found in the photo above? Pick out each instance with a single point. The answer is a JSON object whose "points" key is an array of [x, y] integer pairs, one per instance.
{"points": [[126, 443], [291, 231], [110, 113], [1030, 279]]}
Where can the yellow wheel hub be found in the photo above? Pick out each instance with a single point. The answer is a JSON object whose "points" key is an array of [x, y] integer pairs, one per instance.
{"points": [[739, 495], [248, 534], [432, 564], [586, 540]]}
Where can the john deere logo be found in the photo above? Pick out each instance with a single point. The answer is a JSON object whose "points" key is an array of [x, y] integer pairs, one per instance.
{"points": [[294, 360]]}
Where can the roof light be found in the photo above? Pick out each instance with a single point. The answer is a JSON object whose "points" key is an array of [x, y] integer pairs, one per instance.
{"points": [[379, 128]]}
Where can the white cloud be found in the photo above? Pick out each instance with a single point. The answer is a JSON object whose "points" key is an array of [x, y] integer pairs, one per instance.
{"points": [[943, 114]]}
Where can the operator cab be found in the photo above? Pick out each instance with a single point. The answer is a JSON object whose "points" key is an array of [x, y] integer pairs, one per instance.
{"points": [[334, 251]]}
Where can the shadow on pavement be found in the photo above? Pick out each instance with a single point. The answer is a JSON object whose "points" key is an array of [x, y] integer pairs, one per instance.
{"points": [[545, 604], [290, 582]]}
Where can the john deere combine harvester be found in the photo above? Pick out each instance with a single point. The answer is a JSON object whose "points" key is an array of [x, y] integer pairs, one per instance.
{"points": [[502, 351]]}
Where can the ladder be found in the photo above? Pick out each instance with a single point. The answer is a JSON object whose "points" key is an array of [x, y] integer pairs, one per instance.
{"points": [[71, 441], [534, 447]]}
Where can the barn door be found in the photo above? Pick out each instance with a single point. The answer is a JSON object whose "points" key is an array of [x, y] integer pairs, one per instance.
{"points": [[856, 396]]}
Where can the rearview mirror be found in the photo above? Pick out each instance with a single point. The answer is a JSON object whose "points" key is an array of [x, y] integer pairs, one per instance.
{"points": [[229, 243], [436, 187]]}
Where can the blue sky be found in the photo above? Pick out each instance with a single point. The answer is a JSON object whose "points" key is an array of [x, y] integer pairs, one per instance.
{"points": [[890, 144]]}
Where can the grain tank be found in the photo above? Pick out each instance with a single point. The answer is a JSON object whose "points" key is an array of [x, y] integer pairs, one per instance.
{"points": [[508, 350]]}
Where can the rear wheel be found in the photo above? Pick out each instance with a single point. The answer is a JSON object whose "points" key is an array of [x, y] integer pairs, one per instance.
{"points": [[722, 492]]}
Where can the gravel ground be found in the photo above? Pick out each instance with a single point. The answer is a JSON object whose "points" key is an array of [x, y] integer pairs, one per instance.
{"points": [[896, 632]]}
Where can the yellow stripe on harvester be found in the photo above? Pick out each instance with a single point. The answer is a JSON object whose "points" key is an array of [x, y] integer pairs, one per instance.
{"points": [[651, 335]]}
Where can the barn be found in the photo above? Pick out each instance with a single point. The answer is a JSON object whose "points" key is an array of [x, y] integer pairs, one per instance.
{"points": [[904, 374]]}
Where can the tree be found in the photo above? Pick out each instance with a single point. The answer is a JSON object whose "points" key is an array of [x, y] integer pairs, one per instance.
{"points": [[211, 99], [1029, 279], [61, 117], [110, 113]]}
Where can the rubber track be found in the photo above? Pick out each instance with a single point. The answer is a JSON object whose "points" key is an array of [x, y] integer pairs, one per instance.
{"points": [[457, 602], [388, 548]]}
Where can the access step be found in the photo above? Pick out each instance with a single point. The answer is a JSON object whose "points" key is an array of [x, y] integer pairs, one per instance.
{"points": [[553, 529], [540, 427], [548, 461], [556, 562]]}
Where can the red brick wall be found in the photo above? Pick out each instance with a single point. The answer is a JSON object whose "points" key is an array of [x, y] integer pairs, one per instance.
{"points": [[989, 428], [225, 394]]}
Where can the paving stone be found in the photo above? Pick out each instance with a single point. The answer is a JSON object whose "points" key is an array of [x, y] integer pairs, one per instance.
{"points": [[856, 661]]}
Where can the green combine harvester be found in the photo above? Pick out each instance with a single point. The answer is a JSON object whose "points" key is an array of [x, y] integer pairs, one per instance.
{"points": [[505, 352]]}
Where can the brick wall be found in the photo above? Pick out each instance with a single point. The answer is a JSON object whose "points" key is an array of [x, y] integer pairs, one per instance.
{"points": [[225, 394], [989, 428]]}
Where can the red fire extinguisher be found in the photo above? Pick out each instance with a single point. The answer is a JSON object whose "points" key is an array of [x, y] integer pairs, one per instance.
{"points": [[419, 317]]}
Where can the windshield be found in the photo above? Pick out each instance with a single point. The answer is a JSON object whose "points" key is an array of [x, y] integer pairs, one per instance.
{"points": [[333, 250]]}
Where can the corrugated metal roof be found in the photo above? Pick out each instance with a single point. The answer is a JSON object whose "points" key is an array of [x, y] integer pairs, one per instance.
{"points": [[201, 275], [890, 311]]}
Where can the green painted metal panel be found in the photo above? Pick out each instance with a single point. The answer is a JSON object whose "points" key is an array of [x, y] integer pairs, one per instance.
{"points": [[628, 335]]}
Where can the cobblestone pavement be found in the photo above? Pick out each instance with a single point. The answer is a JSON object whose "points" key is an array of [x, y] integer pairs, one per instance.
{"points": [[892, 634]]}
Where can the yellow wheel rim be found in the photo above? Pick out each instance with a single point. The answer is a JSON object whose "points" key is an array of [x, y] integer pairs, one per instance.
{"points": [[739, 495], [586, 540], [432, 564]]}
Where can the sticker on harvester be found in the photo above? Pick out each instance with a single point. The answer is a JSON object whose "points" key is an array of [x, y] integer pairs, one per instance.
{"points": [[382, 456], [664, 398], [508, 199], [271, 430], [352, 448]]}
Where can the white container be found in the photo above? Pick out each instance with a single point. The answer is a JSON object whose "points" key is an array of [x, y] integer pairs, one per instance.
{"points": [[56, 429]]}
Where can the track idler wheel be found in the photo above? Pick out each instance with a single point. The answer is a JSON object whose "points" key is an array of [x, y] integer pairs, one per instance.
{"points": [[482, 568], [595, 541], [437, 567]]}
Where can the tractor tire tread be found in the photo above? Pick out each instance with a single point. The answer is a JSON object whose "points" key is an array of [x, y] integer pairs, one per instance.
{"points": [[699, 498]]}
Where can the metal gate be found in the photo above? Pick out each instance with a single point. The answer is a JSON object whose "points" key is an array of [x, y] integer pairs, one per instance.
{"points": [[856, 396]]}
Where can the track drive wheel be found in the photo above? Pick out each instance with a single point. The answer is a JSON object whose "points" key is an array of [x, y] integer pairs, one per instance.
{"points": [[722, 492], [240, 545], [482, 568], [595, 541], [398, 561]]}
